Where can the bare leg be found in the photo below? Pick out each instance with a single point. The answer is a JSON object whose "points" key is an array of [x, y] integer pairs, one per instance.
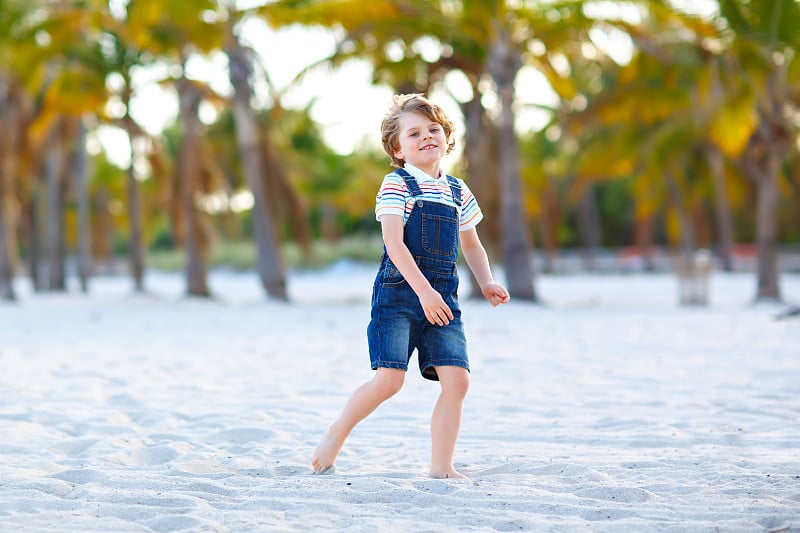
{"points": [[364, 400], [446, 420]]}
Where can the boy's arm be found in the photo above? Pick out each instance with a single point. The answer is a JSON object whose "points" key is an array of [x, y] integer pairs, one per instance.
{"points": [[436, 310], [478, 262]]}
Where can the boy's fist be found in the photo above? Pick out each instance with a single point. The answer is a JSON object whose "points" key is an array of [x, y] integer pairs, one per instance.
{"points": [[496, 294]]}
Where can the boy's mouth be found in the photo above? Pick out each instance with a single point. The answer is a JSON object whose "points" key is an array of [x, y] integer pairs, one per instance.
{"points": [[429, 147]]}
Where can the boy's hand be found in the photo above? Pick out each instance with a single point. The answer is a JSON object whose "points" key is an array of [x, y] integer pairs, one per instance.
{"points": [[496, 294], [436, 310]]}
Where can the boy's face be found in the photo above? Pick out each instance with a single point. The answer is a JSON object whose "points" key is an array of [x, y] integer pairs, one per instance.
{"points": [[422, 141]]}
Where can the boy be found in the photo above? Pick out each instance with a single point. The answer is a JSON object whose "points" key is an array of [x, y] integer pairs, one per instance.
{"points": [[423, 215]]}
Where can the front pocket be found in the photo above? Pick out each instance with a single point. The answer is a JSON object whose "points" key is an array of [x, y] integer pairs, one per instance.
{"points": [[392, 277], [439, 234]]}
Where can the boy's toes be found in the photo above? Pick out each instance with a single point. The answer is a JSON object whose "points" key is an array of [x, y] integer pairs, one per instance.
{"points": [[324, 470]]}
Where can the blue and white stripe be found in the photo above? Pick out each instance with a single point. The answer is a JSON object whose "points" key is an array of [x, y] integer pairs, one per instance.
{"points": [[394, 197]]}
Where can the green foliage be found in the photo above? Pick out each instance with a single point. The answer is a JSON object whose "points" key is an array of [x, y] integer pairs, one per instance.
{"points": [[356, 247], [772, 22], [614, 202], [241, 255], [622, 128]]}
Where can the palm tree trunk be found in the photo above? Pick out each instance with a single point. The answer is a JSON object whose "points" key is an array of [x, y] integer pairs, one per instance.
{"points": [[270, 265], [589, 226], [503, 65], [6, 227], [723, 208], [481, 170], [284, 201], [102, 229], [34, 216], [6, 176], [549, 225], [481, 175], [767, 233], [761, 162], [691, 266], [55, 213], [188, 172], [81, 176], [327, 222], [135, 222], [136, 251], [644, 241], [687, 238]]}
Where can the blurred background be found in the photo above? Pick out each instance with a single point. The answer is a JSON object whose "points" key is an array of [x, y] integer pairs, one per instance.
{"points": [[596, 135]]}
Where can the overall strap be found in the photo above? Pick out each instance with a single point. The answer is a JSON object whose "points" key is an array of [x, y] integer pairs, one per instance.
{"points": [[411, 182], [455, 188]]}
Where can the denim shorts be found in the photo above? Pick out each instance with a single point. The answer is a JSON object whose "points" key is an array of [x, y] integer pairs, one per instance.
{"points": [[399, 326]]}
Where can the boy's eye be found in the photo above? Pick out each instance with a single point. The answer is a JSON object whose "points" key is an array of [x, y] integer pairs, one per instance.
{"points": [[413, 134]]}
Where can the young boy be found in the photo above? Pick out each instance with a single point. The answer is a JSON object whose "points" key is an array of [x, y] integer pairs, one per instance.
{"points": [[422, 212]]}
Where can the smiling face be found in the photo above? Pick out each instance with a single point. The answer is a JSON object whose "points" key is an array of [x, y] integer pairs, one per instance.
{"points": [[407, 112], [422, 142]]}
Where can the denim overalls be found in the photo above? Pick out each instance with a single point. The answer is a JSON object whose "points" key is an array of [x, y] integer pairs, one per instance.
{"points": [[398, 324]]}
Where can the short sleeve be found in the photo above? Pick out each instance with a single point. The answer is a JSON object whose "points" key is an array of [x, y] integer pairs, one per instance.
{"points": [[391, 198], [471, 213]]}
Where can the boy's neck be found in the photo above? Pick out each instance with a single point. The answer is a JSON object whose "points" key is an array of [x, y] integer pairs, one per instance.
{"points": [[433, 170]]}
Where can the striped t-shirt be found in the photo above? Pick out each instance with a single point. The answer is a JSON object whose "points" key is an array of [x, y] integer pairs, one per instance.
{"points": [[394, 197]]}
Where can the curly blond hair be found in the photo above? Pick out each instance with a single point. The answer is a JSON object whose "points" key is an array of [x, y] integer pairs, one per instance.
{"points": [[412, 103]]}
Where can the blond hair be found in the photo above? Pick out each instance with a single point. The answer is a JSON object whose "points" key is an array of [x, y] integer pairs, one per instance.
{"points": [[412, 103]]}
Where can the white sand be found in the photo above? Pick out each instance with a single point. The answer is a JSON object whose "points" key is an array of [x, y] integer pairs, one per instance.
{"points": [[612, 409]]}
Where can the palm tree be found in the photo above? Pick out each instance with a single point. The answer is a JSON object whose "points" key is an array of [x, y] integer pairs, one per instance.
{"points": [[122, 57], [503, 64], [178, 31], [148, 33], [185, 31], [748, 91], [482, 40], [107, 188], [763, 42], [53, 179], [270, 265], [7, 163], [188, 172], [17, 53], [43, 126], [722, 204], [79, 89], [9, 20], [679, 106]]}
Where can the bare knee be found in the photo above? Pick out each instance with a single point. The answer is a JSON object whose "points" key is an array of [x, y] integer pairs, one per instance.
{"points": [[389, 381], [454, 381]]}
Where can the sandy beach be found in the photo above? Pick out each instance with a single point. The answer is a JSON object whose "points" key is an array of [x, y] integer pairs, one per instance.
{"points": [[610, 408]]}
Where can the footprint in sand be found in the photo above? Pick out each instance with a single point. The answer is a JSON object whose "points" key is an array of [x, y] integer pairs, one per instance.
{"points": [[436, 486]]}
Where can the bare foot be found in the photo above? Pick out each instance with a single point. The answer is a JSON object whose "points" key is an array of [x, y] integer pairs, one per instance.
{"points": [[327, 450], [450, 474]]}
